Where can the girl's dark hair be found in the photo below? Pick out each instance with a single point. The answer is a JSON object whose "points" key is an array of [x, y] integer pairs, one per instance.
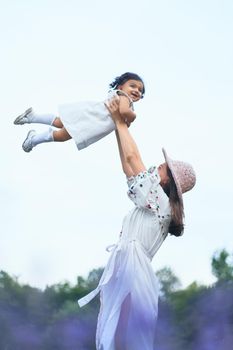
{"points": [[176, 226], [124, 78]]}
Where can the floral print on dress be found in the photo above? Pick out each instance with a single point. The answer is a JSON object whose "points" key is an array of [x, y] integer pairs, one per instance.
{"points": [[145, 191], [143, 188]]}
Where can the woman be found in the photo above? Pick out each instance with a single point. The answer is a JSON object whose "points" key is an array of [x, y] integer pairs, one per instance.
{"points": [[128, 287]]}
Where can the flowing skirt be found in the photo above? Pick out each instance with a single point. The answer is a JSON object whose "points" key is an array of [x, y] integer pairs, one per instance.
{"points": [[129, 300]]}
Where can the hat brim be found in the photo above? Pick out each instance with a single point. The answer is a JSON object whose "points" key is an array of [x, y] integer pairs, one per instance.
{"points": [[170, 166]]}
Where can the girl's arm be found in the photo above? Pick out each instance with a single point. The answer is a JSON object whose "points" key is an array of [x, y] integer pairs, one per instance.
{"points": [[126, 112]]}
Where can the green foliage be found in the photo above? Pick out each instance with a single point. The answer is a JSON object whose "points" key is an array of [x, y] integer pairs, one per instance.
{"points": [[94, 277], [35, 319], [222, 267], [182, 298], [197, 317], [69, 308], [168, 281], [183, 309]]}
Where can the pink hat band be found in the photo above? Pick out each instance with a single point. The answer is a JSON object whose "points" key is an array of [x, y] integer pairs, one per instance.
{"points": [[183, 174]]}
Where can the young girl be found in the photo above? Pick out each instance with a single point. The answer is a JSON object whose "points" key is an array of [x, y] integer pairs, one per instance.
{"points": [[85, 122]]}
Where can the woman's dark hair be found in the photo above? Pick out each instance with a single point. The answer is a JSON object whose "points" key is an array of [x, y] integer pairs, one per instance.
{"points": [[124, 78], [176, 226]]}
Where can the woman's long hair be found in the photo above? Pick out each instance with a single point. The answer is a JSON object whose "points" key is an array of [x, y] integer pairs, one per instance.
{"points": [[176, 226]]}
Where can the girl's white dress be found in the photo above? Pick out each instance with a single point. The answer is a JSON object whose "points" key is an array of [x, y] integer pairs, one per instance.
{"points": [[128, 286], [88, 121]]}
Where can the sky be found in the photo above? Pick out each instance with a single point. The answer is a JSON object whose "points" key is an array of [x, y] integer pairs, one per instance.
{"points": [[61, 207]]}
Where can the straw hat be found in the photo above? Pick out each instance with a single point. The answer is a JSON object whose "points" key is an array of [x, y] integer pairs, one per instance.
{"points": [[183, 175]]}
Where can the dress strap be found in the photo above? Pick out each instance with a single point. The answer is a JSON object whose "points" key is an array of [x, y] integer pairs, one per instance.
{"points": [[110, 247], [108, 272]]}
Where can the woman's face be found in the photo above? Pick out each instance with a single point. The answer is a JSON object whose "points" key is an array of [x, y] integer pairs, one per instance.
{"points": [[162, 170]]}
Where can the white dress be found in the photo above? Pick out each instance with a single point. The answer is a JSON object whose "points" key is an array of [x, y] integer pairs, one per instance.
{"points": [[88, 121], [128, 280]]}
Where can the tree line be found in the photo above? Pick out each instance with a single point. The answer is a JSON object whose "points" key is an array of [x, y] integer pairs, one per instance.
{"points": [[198, 317]]}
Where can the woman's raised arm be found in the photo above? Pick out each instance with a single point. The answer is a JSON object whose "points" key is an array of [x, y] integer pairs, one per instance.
{"points": [[125, 166], [130, 157]]}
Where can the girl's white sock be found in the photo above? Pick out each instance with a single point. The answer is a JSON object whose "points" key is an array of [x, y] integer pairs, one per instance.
{"points": [[46, 136], [41, 118]]}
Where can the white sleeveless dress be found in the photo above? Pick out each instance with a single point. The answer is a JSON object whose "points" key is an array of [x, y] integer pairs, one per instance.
{"points": [[128, 283], [88, 121]]}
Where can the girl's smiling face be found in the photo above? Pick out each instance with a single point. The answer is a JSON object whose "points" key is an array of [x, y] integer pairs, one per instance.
{"points": [[133, 88]]}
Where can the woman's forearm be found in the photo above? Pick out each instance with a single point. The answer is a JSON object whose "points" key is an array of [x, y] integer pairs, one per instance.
{"points": [[128, 149], [125, 165]]}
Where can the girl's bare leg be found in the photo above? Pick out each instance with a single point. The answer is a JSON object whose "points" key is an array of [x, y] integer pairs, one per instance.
{"points": [[60, 135], [57, 123]]}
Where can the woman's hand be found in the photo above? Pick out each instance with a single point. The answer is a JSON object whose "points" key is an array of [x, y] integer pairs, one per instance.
{"points": [[130, 157], [113, 107]]}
